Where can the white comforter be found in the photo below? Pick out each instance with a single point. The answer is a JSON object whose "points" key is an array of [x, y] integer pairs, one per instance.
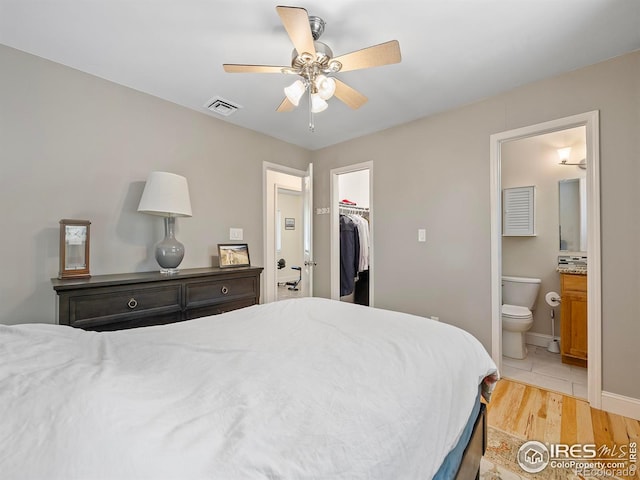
{"points": [[298, 389]]}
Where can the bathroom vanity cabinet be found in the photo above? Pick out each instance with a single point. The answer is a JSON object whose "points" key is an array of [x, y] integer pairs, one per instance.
{"points": [[573, 319]]}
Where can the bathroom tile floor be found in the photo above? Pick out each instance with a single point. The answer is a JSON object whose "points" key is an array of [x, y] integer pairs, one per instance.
{"points": [[545, 369]]}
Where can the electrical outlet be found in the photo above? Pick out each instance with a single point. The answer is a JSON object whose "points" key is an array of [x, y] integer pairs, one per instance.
{"points": [[235, 234]]}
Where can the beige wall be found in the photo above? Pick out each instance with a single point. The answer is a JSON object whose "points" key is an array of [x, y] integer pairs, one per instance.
{"points": [[534, 161], [76, 146], [434, 172]]}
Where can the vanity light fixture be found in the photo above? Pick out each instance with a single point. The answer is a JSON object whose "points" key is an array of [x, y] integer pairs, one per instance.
{"points": [[564, 153]]}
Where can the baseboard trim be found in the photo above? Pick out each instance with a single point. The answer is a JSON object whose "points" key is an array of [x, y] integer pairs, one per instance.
{"points": [[538, 339], [625, 406]]}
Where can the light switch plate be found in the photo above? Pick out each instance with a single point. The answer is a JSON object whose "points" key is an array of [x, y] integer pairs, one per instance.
{"points": [[235, 234], [422, 235]]}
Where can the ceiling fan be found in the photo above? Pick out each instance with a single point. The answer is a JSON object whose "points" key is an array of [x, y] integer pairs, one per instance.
{"points": [[314, 63]]}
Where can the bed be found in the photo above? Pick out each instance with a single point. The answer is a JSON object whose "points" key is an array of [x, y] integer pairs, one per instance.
{"points": [[299, 389]]}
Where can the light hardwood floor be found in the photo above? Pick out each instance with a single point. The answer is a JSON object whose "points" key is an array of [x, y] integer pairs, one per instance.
{"points": [[532, 413]]}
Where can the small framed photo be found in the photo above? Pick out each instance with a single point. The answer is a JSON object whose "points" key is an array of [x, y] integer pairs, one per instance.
{"points": [[233, 255], [289, 223]]}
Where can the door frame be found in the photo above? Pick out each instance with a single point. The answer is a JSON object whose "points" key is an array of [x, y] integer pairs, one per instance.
{"points": [[270, 281], [590, 120], [335, 228]]}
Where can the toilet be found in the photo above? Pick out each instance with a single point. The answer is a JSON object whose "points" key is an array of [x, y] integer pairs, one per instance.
{"points": [[519, 296]]}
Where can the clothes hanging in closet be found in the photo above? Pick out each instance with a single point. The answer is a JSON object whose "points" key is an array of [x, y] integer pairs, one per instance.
{"points": [[362, 225], [349, 254], [354, 253]]}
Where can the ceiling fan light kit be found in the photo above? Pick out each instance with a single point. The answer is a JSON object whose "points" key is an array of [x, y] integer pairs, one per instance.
{"points": [[295, 91], [326, 87], [314, 62], [318, 104]]}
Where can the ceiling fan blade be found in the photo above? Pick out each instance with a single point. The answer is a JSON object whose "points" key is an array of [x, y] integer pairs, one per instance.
{"points": [[240, 68], [383, 54], [285, 106], [296, 23], [353, 98]]}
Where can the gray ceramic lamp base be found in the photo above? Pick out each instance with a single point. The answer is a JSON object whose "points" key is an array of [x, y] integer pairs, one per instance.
{"points": [[169, 252]]}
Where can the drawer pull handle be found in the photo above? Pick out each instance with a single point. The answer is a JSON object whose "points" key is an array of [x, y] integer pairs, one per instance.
{"points": [[133, 303], [225, 290]]}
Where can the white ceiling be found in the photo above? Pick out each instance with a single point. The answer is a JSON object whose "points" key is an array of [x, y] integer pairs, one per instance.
{"points": [[453, 51]]}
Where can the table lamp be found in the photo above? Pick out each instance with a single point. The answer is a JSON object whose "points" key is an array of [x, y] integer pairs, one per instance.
{"points": [[167, 195]]}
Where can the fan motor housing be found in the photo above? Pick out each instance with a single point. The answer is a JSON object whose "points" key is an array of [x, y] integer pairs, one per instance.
{"points": [[317, 26], [323, 55]]}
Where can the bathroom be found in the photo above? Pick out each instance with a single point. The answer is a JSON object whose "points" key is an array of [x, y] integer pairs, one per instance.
{"points": [[556, 232]]}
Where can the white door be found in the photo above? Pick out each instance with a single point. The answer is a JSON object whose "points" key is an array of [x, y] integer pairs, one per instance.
{"points": [[307, 242]]}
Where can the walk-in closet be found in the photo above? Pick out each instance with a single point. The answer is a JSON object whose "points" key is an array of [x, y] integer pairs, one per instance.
{"points": [[355, 236]]}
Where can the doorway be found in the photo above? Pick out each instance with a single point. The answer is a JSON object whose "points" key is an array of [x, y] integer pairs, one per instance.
{"points": [[352, 256], [558, 214], [287, 229], [289, 242], [500, 145]]}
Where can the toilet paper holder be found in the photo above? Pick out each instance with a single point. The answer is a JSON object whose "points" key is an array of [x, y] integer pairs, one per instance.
{"points": [[553, 299]]}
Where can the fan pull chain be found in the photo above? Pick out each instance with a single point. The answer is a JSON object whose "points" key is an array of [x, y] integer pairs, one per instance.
{"points": [[312, 127]]}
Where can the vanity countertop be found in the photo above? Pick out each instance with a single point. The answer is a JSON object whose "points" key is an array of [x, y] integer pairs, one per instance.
{"points": [[573, 269]]}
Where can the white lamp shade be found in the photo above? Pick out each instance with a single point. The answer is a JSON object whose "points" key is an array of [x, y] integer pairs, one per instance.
{"points": [[326, 86], [317, 103], [167, 195], [564, 153], [295, 91]]}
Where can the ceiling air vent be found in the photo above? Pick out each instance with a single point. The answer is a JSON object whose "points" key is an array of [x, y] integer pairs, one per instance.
{"points": [[222, 107]]}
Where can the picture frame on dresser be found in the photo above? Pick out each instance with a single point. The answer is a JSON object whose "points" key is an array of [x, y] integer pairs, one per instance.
{"points": [[74, 248], [233, 255]]}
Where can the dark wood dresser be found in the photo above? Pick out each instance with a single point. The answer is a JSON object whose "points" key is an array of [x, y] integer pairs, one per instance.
{"points": [[119, 301]]}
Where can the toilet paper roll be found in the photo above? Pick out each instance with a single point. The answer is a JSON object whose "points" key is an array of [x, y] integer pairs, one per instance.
{"points": [[552, 299]]}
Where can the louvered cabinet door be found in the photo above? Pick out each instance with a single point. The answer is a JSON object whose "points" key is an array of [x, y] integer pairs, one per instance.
{"points": [[518, 211]]}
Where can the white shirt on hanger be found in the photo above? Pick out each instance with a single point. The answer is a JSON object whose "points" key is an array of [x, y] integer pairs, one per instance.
{"points": [[363, 237]]}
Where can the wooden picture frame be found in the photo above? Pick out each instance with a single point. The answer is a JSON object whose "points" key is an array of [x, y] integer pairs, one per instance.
{"points": [[74, 248], [232, 255]]}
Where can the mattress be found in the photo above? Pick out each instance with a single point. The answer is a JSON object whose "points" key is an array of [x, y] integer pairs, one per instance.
{"points": [[297, 389], [449, 467]]}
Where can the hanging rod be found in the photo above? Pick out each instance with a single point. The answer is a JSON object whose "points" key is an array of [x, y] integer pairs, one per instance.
{"points": [[344, 208]]}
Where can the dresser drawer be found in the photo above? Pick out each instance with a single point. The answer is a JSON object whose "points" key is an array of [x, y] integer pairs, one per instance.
{"points": [[219, 308], [210, 292], [97, 308]]}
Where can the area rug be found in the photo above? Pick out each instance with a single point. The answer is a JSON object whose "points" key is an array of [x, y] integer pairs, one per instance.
{"points": [[500, 461]]}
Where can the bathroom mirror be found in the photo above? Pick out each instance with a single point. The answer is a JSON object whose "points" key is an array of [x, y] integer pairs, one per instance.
{"points": [[573, 215]]}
